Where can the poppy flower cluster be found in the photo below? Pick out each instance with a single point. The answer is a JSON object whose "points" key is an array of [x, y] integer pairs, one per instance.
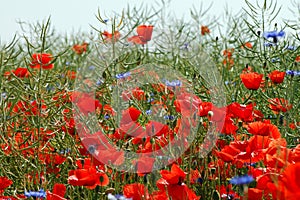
{"points": [[80, 48], [41, 61], [251, 80], [228, 60], [111, 37], [88, 175], [204, 30], [144, 34], [277, 76], [171, 185], [64, 135]]}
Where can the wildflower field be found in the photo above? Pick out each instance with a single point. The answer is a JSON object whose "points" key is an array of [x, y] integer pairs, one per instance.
{"points": [[151, 107]]}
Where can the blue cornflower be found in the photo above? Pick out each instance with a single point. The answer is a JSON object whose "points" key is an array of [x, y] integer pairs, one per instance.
{"points": [[150, 100], [275, 60], [148, 112], [269, 44], [241, 180], [274, 34], [169, 117], [117, 197], [68, 63], [290, 72], [63, 151], [4, 95], [185, 46], [99, 82], [123, 75], [40, 194], [250, 164], [199, 180], [291, 48], [293, 73], [92, 67], [106, 116], [173, 83]]}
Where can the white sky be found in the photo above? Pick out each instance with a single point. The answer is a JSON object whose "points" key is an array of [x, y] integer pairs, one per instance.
{"points": [[75, 15]]}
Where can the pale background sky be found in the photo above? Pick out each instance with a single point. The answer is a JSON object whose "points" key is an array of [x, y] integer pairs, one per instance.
{"points": [[74, 15]]}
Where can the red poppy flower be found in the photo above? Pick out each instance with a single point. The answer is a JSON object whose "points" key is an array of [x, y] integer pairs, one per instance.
{"points": [[277, 156], [158, 195], [130, 115], [37, 108], [144, 164], [41, 60], [258, 143], [10, 198], [181, 192], [89, 178], [297, 59], [175, 176], [258, 115], [279, 105], [228, 62], [51, 159], [85, 103], [274, 131], [290, 183], [244, 112], [277, 76], [195, 176], [187, 104], [110, 156], [172, 183], [4, 183], [136, 191], [251, 80], [32, 108], [103, 179], [108, 37], [254, 194], [7, 74], [226, 192], [229, 127], [229, 152], [58, 193], [253, 152], [79, 49], [71, 74], [156, 128], [292, 126], [226, 157], [248, 45], [268, 183], [228, 52], [204, 108], [259, 128], [138, 94], [144, 35], [135, 93], [204, 30], [21, 72]]}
